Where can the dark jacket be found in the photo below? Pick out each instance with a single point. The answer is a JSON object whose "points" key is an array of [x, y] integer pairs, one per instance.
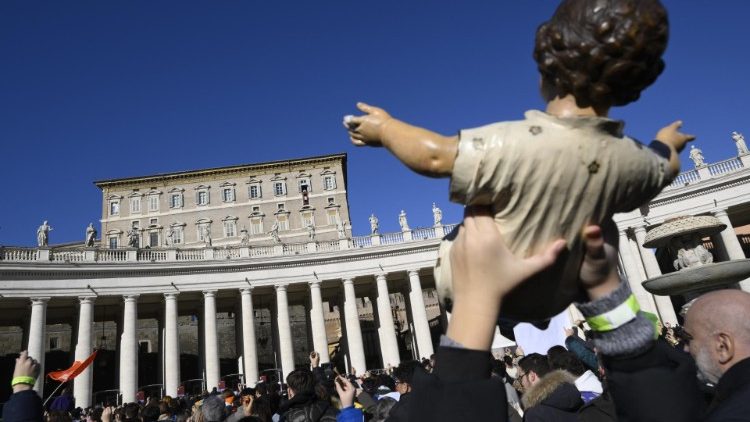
{"points": [[553, 398], [306, 407], [24, 406], [732, 400], [657, 385], [62, 402], [583, 351], [460, 389], [600, 409]]}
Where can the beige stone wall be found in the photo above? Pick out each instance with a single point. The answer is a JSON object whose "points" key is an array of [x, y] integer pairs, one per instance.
{"points": [[214, 181]]}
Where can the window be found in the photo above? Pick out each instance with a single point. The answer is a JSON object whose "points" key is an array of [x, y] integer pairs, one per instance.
{"points": [[279, 189], [113, 242], [256, 225], [283, 222], [329, 182], [153, 221], [256, 210], [153, 203], [331, 200], [153, 239], [254, 191], [280, 207], [175, 200], [230, 228], [135, 204], [135, 224], [202, 198], [54, 342], [304, 185], [227, 194], [178, 235], [307, 219], [332, 217], [114, 208]]}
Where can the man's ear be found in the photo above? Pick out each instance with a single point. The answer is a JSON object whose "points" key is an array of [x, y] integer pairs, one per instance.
{"points": [[724, 347], [533, 377]]}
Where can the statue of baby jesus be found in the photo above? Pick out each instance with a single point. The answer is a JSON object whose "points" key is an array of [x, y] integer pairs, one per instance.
{"points": [[547, 176]]}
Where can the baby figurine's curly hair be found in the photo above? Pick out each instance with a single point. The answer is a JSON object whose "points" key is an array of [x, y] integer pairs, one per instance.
{"points": [[603, 52]]}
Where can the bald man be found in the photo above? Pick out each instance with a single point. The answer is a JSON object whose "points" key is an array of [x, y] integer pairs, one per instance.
{"points": [[717, 331]]}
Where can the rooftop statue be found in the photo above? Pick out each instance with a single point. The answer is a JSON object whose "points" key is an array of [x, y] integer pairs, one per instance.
{"points": [[133, 237], [546, 176], [310, 231], [90, 235], [697, 156], [437, 215], [42, 234], [402, 221], [244, 237], [374, 226], [739, 141], [274, 232]]}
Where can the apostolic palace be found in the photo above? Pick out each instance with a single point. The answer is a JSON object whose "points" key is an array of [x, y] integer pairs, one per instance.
{"points": [[212, 277]]}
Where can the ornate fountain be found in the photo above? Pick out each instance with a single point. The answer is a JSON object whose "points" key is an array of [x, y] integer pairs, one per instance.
{"points": [[696, 272]]}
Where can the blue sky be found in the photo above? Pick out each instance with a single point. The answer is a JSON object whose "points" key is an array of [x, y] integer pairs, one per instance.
{"points": [[95, 90]]}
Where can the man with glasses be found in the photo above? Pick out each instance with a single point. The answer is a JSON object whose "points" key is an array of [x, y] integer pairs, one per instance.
{"points": [[717, 335]]}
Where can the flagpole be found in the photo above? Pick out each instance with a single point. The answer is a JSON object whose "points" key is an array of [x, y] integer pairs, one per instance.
{"points": [[53, 393]]}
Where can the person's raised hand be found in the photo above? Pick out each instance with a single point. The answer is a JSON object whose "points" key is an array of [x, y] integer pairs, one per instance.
{"points": [[26, 366], [671, 135], [484, 271], [107, 413], [247, 405], [368, 128], [346, 391], [314, 359], [569, 332]]}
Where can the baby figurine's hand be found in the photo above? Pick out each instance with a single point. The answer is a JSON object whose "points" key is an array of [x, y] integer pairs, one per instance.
{"points": [[367, 129], [671, 135]]}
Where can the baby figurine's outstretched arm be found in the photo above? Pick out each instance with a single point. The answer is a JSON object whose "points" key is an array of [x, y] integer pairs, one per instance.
{"points": [[426, 152], [676, 141]]}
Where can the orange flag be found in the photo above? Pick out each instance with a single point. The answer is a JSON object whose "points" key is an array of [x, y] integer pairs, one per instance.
{"points": [[73, 371]]}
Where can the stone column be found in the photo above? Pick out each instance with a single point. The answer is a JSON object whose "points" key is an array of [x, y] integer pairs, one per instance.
{"points": [[38, 337], [171, 345], [419, 316], [731, 244], [286, 350], [663, 303], [249, 350], [729, 237], [83, 382], [353, 331], [634, 277], [386, 329], [129, 350], [210, 340], [318, 323]]}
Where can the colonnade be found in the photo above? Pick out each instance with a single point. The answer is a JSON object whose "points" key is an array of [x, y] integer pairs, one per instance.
{"points": [[208, 333]]}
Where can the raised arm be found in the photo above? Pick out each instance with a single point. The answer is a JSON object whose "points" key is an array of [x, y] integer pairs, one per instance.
{"points": [[426, 152]]}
